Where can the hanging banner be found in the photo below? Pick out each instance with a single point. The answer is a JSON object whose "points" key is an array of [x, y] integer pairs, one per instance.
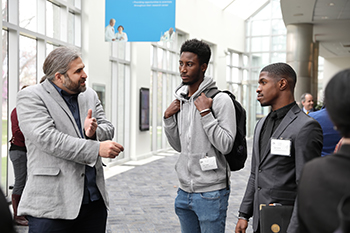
{"points": [[133, 20]]}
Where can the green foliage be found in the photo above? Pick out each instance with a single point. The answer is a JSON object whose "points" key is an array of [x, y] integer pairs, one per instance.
{"points": [[319, 105]]}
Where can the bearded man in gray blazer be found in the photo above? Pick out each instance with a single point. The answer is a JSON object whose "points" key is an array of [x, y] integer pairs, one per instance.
{"points": [[66, 133], [283, 142]]}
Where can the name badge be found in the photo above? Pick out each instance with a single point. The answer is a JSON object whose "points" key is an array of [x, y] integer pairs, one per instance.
{"points": [[208, 163], [280, 147]]}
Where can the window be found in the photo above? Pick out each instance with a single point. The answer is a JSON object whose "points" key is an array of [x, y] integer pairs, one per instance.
{"points": [[279, 43], [260, 27], [27, 61], [4, 10], [4, 118], [265, 44], [27, 14], [236, 72], [120, 60], [320, 93], [53, 20], [71, 27], [121, 72], [164, 80], [260, 44]]}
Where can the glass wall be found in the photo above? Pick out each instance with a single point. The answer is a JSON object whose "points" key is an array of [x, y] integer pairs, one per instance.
{"points": [[53, 20], [27, 61], [31, 30], [4, 119], [265, 44], [4, 10], [120, 59], [320, 93], [164, 80], [241, 82], [28, 14]]}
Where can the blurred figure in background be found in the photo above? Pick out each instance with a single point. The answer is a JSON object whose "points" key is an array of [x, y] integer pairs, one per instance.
{"points": [[330, 136], [18, 156], [109, 31], [308, 103], [325, 181], [120, 35]]}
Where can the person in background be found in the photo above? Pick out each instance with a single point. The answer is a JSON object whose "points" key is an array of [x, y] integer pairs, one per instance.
{"points": [[168, 35], [330, 136], [120, 35], [283, 142], [203, 131], [109, 31], [18, 156], [308, 103], [325, 181], [66, 134]]}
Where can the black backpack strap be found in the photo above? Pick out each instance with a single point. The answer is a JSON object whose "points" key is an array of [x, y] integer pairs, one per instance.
{"points": [[213, 92]]}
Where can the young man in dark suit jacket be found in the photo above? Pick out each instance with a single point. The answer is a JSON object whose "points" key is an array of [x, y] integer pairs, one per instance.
{"points": [[325, 181], [283, 142]]}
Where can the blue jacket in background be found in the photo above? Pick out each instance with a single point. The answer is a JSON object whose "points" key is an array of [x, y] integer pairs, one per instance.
{"points": [[330, 136]]}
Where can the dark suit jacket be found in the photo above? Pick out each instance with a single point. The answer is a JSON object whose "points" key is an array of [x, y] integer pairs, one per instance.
{"points": [[323, 183], [274, 179]]}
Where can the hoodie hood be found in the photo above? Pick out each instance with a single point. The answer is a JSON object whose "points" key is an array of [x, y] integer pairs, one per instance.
{"points": [[181, 94], [182, 90]]}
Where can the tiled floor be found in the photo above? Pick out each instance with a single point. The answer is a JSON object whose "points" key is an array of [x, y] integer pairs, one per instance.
{"points": [[142, 194]]}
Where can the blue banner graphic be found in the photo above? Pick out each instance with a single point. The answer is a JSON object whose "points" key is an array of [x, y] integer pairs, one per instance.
{"points": [[134, 20]]}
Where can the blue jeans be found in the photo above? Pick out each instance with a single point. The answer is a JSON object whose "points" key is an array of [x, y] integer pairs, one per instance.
{"points": [[202, 212]]}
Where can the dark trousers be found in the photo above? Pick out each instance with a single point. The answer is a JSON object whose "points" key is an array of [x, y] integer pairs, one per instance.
{"points": [[92, 218]]}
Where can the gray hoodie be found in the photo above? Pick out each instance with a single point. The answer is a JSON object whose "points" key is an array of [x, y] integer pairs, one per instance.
{"points": [[196, 137]]}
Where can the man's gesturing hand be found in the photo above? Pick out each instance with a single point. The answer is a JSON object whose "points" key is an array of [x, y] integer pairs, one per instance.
{"points": [[110, 149], [90, 125]]}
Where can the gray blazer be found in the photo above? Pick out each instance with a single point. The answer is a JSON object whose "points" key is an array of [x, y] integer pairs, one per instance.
{"points": [[274, 178], [57, 154]]}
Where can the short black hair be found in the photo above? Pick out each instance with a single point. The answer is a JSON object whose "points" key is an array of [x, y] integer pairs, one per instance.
{"points": [[200, 48], [337, 96], [282, 70]]}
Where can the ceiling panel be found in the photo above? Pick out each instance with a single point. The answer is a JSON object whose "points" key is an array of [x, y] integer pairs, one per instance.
{"points": [[331, 20], [241, 8]]}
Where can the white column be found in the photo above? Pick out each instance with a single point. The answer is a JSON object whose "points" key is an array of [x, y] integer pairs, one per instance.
{"points": [[301, 56]]}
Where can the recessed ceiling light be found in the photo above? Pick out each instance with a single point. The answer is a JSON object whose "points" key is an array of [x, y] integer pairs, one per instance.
{"points": [[324, 17], [331, 4]]}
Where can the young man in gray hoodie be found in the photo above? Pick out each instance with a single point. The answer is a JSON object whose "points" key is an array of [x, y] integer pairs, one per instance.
{"points": [[202, 130]]}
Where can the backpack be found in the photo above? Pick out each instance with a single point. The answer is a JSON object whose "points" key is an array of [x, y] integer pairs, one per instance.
{"points": [[238, 155]]}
